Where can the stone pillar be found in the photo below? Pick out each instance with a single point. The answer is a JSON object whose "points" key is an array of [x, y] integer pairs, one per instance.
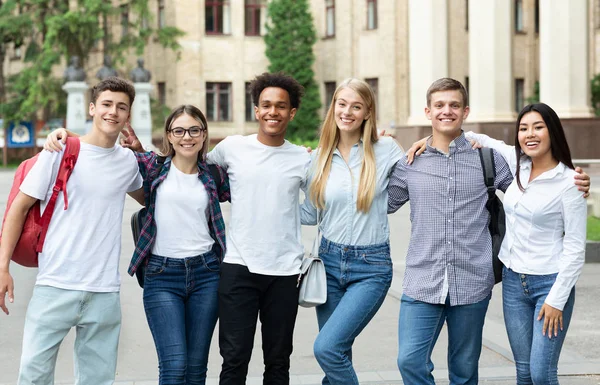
{"points": [[141, 119], [427, 52], [76, 108], [564, 74], [491, 82]]}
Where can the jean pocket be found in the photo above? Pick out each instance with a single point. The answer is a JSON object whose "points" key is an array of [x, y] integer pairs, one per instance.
{"points": [[155, 267], [377, 258], [212, 263]]}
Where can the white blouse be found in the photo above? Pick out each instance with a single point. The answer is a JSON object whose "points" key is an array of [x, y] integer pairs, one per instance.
{"points": [[545, 224]]}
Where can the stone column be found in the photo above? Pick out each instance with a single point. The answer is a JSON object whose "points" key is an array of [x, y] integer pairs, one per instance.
{"points": [[76, 108], [564, 74], [491, 82], [141, 119], [427, 52]]}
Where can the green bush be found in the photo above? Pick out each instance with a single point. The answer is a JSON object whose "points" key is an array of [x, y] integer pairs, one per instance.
{"points": [[593, 229]]}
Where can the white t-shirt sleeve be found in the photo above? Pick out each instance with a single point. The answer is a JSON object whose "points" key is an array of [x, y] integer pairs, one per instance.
{"points": [[217, 154], [507, 151], [42, 176], [136, 179]]}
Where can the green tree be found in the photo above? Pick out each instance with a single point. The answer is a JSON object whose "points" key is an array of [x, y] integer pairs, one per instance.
{"points": [[60, 29], [595, 94], [290, 39]]}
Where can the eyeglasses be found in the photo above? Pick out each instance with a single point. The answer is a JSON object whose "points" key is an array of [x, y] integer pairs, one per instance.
{"points": [[194, 132]]}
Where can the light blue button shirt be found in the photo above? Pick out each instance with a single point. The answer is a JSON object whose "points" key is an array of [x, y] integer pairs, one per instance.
{"points": [[341, 222]]}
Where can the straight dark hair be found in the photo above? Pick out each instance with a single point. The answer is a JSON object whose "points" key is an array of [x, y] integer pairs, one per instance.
{"points": [[558, 141]]}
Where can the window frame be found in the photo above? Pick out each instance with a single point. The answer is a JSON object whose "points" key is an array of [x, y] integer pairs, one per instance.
{"points": [[216, 91], [375, 21], [519, 22], [248, 104], [219, 29], [329, 7], [374, 84], [257, 25], [161, 18]]}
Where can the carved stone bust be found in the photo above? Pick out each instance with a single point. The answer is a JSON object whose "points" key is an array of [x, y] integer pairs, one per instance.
{"points": [[140, 74], [74, 72], [107, 70]]}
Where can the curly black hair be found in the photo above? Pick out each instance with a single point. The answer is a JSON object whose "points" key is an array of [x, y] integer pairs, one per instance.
{"points": [[279, 80]]}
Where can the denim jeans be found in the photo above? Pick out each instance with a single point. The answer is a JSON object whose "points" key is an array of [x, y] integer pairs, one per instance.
{"points": [[51, 314], [536, 356], [419, 328], [180, 299], [243, 297], [358, 279]]}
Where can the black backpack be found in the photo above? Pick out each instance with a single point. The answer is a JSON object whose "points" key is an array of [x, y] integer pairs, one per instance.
{"points": [[137, 218], [494, 205]]}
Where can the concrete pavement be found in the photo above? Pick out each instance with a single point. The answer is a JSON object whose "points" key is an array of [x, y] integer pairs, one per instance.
{"points": [[374, 350]]}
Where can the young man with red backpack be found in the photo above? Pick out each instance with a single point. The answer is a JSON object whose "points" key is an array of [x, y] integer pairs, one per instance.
{"points": [[78, 279]]}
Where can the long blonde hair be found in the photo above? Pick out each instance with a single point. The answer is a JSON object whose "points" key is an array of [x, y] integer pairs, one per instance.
{"points": [[328, 141]]}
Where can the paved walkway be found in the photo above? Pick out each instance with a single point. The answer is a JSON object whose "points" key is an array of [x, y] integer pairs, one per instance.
{"points": [[374, 351]]}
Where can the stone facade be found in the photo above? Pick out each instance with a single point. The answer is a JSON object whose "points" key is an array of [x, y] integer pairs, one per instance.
{"points": [[355, 50]]}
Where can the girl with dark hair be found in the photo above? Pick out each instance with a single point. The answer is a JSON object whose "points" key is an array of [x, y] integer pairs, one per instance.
{"points": [[544, 247]]}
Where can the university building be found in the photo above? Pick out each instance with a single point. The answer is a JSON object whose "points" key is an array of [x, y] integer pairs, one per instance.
{"points": [[502, 50]]}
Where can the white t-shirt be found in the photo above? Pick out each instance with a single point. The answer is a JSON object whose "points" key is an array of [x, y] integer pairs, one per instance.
{"points": [[181, 216], [264, 230], [83, 243]]}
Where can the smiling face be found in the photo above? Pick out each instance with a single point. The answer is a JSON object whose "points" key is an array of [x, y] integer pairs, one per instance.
{"points": [[350, 110], [274, 112], [187, 146], [110, 112], [447, 112], [533, 136]]}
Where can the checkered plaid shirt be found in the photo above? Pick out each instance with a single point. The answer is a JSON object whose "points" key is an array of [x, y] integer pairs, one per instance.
{"points": [[449, 223], [153, 174]]}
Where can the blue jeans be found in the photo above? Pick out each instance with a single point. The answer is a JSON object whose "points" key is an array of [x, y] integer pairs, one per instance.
{"points": [[51, 313], [536, 356], [419, 328], [358, 279], [180, 298]]}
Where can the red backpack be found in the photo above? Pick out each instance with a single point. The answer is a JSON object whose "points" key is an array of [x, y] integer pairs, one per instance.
{"points": [[35, 227]]}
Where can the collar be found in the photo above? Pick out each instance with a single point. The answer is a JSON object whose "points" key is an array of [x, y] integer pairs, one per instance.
{"points": [[459, 143]]}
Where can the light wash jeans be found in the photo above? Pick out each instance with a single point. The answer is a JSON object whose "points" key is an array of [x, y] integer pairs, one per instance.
{"points": [[51, 313], [358, 278], [419, 328], [180, 299], [536, 356]]}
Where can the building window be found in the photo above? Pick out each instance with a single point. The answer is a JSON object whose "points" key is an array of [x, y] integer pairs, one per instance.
{"points": [[467, 86], [371, 14], [162, 93], [255, 14], [519, 16], [329, 91], [329, 18], [374, 84], [519, 94], [161, 14], [218, 102], [124, 20], [250, 117], [216, 17]]}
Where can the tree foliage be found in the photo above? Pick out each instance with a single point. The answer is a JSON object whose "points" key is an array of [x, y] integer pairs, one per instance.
{"points": [[51, 31], [290, 39]]}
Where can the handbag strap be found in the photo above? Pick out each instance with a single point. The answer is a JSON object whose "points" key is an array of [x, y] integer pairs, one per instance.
{"points": [[317, 241]]}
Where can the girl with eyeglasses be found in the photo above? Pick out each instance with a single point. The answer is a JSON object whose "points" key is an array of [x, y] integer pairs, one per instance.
{"points": [[181, 245]]}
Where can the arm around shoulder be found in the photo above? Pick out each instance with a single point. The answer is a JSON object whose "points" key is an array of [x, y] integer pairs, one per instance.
{"points": [[398, 186]]}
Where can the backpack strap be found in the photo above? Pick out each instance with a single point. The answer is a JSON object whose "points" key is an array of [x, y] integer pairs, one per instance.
{"points": [[486, 155], [216, 175], [70, 155]]}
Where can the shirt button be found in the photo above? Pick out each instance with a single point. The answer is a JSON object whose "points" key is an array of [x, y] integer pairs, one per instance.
{"points": [[448, 242], [449, 221], [524, 284], [522, 275], [450, 178]]}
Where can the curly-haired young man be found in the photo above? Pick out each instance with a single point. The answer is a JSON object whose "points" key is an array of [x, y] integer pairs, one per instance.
{"points": [[264, 248]]}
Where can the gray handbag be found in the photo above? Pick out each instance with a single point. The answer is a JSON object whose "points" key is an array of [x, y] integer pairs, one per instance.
{"points": [[312, 280]]}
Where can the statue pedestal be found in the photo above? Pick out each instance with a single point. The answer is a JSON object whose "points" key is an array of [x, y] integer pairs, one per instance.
{"points": [[141, 119], [76, 111]]}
